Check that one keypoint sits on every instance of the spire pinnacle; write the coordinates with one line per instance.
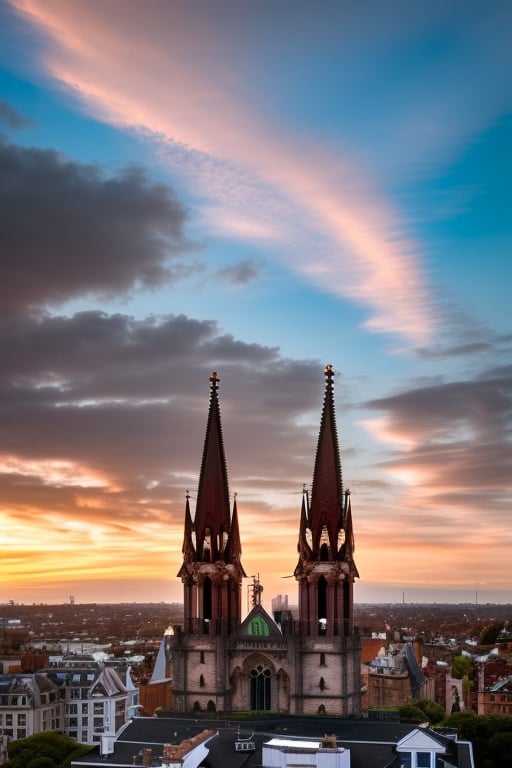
(326, 514)
(212, 519)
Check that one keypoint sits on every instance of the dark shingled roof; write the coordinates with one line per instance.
(371, 744)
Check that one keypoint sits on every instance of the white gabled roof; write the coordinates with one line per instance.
(160, 668)
(420, 739)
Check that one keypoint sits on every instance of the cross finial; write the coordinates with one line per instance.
(214, 381)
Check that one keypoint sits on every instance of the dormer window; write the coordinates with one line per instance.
(417, 759)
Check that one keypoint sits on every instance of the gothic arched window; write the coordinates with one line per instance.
(258, 626)
(260, 687)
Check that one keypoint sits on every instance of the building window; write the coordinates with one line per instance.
(423, 760)
(322, 601)
(322, 659)
(405, 760)
(258, 626)
(321, 684)
(260, 687)
(207, 600)
(201, 657)
(201, 681)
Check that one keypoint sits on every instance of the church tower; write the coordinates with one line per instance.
(306, 666)
(325, 573)
(212, 575)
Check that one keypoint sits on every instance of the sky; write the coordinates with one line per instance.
(259, 189)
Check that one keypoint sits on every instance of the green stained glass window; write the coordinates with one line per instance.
(258, 626)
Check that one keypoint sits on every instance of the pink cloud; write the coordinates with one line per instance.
(172, 76)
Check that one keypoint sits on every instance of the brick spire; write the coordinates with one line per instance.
(326, 510)
(212, 518)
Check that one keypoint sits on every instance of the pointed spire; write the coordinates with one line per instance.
(188, 548)
(326, 497)
(233, 550)
(212, 520)
(303, 547)
(349, 543)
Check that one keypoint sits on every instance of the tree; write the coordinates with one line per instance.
(44, 750)
(488, 734)
(461, 666)
(410, 713)
(500, 750)
(489, 634)
(434, 712)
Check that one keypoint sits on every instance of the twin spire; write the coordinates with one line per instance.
(325, 531)
(217, 535)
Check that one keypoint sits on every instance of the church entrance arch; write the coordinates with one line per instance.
(259, 685)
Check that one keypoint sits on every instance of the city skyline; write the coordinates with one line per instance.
(260, 190)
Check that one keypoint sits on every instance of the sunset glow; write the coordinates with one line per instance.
(223, 187)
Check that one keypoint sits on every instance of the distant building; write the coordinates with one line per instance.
(28, 704)
(497, 699)
(395, 678)
(84, 700)
(309, 665)
(96, 701)
(282, 610)
(157, 693)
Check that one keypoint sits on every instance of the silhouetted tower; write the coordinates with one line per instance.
(326, 569)
(212, 570)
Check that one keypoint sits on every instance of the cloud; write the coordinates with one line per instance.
(87, 233)
(127, 387)
(239, 274)
(12, 118)
(451, 458)
(332, 223)
(102, 420)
